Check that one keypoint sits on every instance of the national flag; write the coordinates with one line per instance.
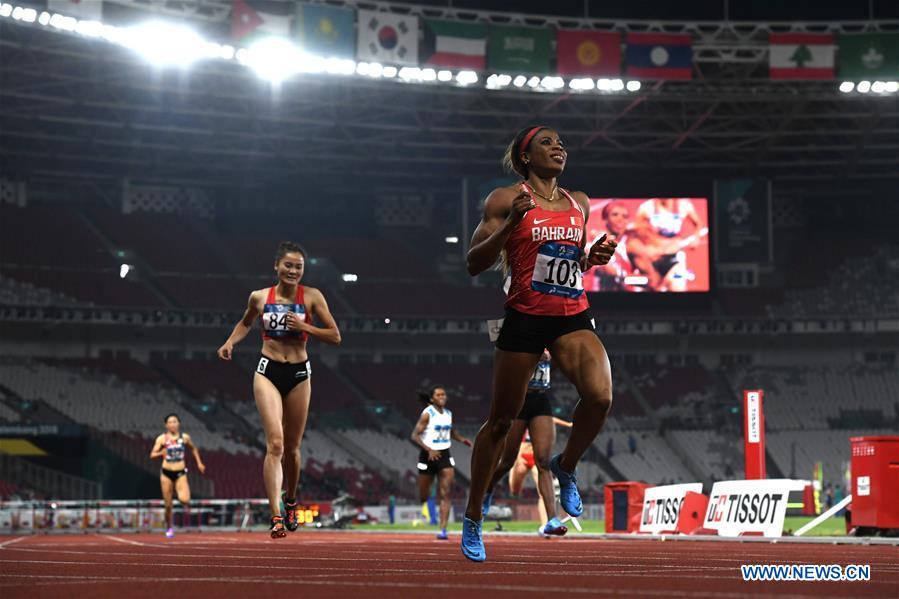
(327, 30)
(387, 38)
(659, 55)
(580, 52)
(87, 10)
(801, 56)
(249, 23)
(455, 44)
(869, 56)
(519, 49)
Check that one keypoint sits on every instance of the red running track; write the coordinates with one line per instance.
(375, 566)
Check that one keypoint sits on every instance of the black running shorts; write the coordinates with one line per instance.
(284, 375)
(530, 334)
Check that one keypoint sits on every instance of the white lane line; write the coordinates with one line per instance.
(480, 588)
(128, 541)
(12, 541)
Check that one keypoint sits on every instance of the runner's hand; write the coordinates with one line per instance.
(601, 252)
(522, 203)
(224, 352)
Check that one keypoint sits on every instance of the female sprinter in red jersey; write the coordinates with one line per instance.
(170, 446)
(282, 382)
(434, 434)
(538, 228)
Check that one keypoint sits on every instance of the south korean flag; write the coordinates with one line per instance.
(387, 38)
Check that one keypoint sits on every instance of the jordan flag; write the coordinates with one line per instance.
(801, 56)
(248, 23)
(387, 38)
(588, 53)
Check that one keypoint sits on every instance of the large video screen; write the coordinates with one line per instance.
(663, 245)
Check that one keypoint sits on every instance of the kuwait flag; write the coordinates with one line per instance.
(248, 24)
(455, 45)
(659, 56)
(580, 52)
(387, 38)
(801, 56)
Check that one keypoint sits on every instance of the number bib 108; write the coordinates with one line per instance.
(557, 270)
(274, 319)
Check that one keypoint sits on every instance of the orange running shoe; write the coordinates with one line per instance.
(291, 520)
(278, 530)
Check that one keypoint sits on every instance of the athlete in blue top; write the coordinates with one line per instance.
(434, 434)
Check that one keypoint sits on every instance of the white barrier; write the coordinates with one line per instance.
(661, 506)
(750, 506)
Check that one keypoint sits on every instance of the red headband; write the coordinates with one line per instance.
(527, 138)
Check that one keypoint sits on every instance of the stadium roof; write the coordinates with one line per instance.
(82, 109)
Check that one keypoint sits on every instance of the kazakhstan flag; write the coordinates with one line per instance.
(327, 31)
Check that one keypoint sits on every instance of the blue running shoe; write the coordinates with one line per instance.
(442, 536)
(472, 541)
(554, 528)
(485, 507)
(568, 493)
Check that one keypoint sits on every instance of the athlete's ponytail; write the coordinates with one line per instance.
(425, 395)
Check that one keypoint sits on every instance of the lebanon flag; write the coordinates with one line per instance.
(387, 38)
(581, 52)
(801, 56)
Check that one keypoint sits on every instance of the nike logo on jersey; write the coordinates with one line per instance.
(540, 221)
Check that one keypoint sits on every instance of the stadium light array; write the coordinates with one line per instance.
(277, 59)
(452, 239)
(349, 277)
(166, 44)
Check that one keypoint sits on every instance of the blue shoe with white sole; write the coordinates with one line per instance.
(554, 528)
(472, 540)
(569, 496)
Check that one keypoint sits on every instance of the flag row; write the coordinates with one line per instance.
(395, 39)
(389, 38)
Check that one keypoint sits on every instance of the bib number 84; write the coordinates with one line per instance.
(276, 322)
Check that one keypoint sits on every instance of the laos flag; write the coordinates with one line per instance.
(659, 56)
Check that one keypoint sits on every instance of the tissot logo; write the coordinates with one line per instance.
(744, 508)
(663, 511)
